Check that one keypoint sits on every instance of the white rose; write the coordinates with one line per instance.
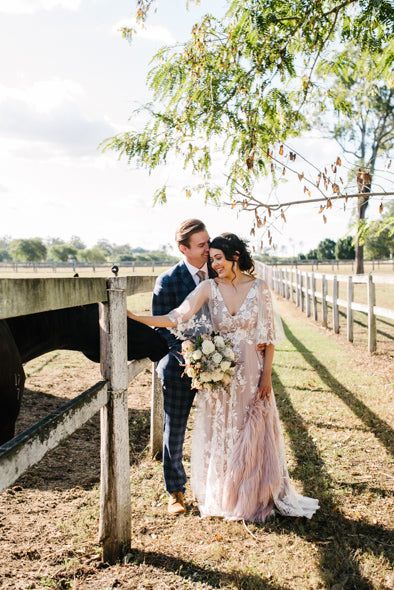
(187, 345)
(207, 347)
(190, 372)
(217, 376)
(217, 357)
(219, 341)
(225, 365)
(197, 354)
(228, 353)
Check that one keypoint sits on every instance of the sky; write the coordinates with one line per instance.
(68, 81)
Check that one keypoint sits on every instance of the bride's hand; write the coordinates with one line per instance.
(265, 386)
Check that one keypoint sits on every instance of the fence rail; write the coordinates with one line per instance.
(300, 287)
(75, 266)
(25, 296)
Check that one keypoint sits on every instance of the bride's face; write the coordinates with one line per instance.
(225, 268)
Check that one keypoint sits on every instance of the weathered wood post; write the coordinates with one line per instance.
(335, 309)
(371, 316)
(349, 314)
(115, 501)
(298, 288)
(307, 296)
(314, 299)
(156, 416)
(324, 301)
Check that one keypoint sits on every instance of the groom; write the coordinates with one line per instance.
(170, 290)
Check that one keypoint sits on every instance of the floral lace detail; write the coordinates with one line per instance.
(223, 420)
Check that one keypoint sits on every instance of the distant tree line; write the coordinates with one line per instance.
(377, 238)
(57, 250)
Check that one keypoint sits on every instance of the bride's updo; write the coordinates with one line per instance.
(235, 250)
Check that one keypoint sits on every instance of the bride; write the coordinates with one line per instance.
(238, 465)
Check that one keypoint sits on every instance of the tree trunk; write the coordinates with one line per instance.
(364, 180)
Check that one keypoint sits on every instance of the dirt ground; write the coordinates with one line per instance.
(49, 517)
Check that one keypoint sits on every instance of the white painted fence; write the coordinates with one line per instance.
(300, 287)
(24, 296)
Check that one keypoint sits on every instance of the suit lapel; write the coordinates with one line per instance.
(187, 277)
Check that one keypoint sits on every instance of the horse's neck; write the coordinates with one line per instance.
(40, 333)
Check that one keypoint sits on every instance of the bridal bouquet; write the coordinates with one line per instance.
(209, 361)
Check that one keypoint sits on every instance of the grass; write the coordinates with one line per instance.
(335, 405)
(337, 415)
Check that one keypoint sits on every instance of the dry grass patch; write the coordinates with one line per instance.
(335, 404)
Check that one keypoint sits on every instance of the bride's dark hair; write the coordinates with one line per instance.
(235, 250)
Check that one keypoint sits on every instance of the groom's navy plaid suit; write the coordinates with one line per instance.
(170, 290)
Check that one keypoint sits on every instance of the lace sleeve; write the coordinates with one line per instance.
(192, 316)
(269, 325)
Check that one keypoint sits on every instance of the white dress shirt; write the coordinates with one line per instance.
(193, 271)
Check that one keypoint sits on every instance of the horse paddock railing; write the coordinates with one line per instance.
(300, 287)
(26, 296)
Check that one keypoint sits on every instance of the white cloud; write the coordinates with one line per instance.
(44, 95)
(47, 114)
(148, 32)
(33, 6)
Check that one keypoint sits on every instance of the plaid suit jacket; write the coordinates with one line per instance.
(171, 288)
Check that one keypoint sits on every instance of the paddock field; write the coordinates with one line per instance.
(335, 405)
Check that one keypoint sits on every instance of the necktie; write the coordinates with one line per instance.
(201, 275)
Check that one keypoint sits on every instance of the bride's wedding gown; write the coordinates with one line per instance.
(238, 465)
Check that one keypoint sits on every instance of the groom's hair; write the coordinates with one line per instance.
(186, 230)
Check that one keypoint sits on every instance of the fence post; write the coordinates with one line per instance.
(115, 501)
(297, 288)
(314, 301)
(307, 296)
(324, 301)
(335, 311)
(349, 318)
(156, 416)
(371, 315)
(302, 298)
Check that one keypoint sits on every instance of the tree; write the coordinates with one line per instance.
(235, 88)
(62, 252)
(31, 250)
(325, 249)
(344, 249)
(312, 254)
(379, 237)
(4, 255)
(363, 104)
(77, 243)
(92, 255)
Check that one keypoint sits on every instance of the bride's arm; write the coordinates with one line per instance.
(193, 302)
(265, 384)
(158, 321)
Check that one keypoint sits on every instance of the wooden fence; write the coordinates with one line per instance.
(25, 296)
(75, 266)
(300, 287)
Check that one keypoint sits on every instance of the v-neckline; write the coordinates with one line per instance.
(243, 301)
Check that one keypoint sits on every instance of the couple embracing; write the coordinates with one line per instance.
(238, 465)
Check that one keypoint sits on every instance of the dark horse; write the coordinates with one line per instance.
(77, 328)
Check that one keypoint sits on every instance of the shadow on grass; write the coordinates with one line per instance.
(379, 427)
(199, 574)
(340, 539)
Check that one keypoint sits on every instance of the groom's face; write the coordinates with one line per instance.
(198, 250)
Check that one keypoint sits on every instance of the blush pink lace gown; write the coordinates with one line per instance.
(238, 465)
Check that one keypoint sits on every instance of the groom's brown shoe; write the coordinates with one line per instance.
(176, 505)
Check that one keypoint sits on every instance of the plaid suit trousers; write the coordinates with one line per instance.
(178, 401)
